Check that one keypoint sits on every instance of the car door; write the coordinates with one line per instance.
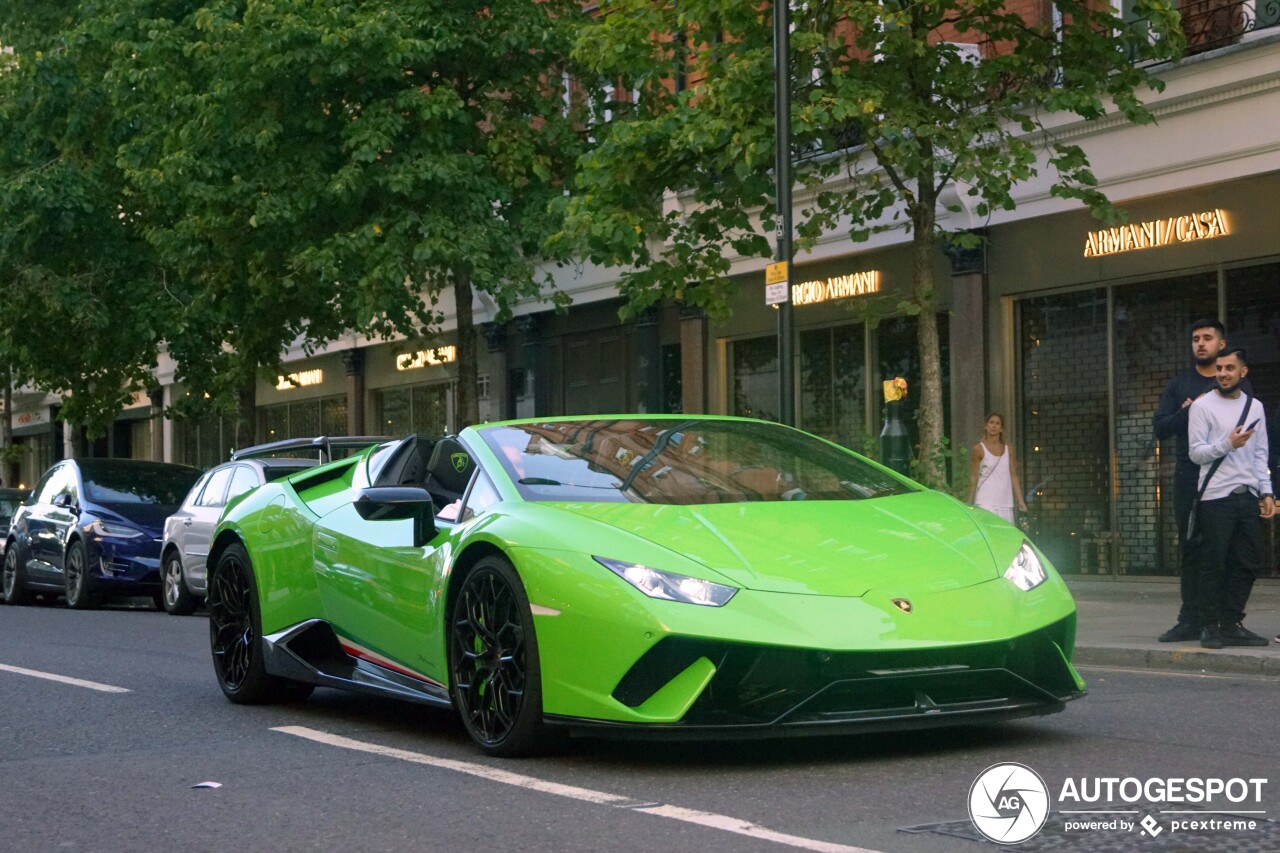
(48, 523)
(197, 527)
(377, 585)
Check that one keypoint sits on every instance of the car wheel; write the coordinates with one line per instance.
(174, 597)
(235, 636)
(75, 569)
(494, 672)
(12, 582)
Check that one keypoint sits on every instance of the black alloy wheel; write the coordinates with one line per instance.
(12, 587)
(79, 584)
(174, 596)
(493, 661)
(235, 636)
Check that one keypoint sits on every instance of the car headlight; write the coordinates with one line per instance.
(669, 586)
(1026, 572)
(115, 531)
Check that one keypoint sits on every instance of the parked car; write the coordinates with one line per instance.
(9, 501)
(91, 529)
(188, 532)
(658, 576)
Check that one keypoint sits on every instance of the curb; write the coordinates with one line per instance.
(1185, 659)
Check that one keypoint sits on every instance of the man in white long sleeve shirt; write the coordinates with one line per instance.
(1236, 499)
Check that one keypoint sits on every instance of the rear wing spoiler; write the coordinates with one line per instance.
(321, 446)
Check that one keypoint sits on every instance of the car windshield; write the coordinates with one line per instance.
(671, 461)
(125, 482)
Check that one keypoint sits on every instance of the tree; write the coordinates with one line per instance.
(79, 314)
(311, 168)
(883, 86)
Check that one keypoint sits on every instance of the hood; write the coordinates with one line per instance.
(146, 517)
(914, 543)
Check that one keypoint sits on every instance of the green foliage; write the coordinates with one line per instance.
(887, 116)
(80, 314)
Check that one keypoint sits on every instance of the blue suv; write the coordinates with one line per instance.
(92, 528)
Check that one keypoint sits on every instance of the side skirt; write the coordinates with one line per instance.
(312, 653)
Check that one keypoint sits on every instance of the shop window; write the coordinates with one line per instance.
(753, 366)
(1065, 445)
(897, 354)
(203, 442)
(35, 460)
(303, 419)
(832, 385)
(421, 409)
(1151, 344)
(1253, 322)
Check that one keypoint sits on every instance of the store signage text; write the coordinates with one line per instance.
(31, 418)
(422, 358)
(1154, 233)
(299, 380)
(836, 287)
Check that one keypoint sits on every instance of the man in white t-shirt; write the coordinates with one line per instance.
(1235, 500)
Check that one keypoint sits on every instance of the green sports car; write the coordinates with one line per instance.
(660, 576)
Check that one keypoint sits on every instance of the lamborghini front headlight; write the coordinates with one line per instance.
(669, 586)
(1026, 572)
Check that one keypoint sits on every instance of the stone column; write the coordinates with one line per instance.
(970, 397)
(353, 363)
(495, 338)
(693, 360)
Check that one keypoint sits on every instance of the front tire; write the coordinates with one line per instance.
(79, 584)
(12, 580)
(235, 636)
(174, 596)
(494, 671)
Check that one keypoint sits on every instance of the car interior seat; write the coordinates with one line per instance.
(448, 471)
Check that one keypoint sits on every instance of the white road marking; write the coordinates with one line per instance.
(62, 679)
(493, 774)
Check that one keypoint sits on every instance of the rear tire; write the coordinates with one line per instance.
(235, 636)
(12, 578)
(174, 596)
(79, 582)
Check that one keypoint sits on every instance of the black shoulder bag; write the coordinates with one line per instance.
(1194, 535)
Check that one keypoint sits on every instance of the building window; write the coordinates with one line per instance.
(203, 442)
(422, 409)
(832, 384)
(753, 367)
(303, 419)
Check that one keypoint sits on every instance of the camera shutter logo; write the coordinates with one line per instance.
(1008, 803)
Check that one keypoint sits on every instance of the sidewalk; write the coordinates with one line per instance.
(1119, 620)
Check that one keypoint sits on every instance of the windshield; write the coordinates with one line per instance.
(672, 461)
(128, 482)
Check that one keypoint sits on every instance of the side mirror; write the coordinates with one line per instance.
(65, 501)
(388, 503)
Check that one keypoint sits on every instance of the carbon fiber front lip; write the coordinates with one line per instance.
(885, 722)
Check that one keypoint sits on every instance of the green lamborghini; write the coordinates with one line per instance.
(640, 575)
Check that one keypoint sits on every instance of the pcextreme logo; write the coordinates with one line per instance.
(1008, 803)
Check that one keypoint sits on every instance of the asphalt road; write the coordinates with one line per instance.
(82, 768)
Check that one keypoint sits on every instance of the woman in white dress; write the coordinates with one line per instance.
(993, 474)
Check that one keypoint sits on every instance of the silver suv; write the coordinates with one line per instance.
(187, 532)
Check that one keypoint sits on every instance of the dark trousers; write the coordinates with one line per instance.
(1185, 489)
(1231, 556)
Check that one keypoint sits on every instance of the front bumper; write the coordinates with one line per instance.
(737, 690)
(125, 565)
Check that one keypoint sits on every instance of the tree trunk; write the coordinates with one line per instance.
(246, 411)
(11, 468)
(932, 452)
(468, 368)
